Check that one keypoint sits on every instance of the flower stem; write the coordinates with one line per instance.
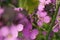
(38, 27)
(53, 21)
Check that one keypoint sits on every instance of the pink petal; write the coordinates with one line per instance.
(5, 31)
(55, 30)
(14, 31)
(47, 19)
(48, 1)
(44, 33)
(42, 1)
(1, 11)
(34, 33)
(19, 27)
(41, 7)
(16, 9)
(0, 33)
(41, 14)
(12, 38)
(40, 23)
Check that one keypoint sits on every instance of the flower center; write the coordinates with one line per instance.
(9, 36)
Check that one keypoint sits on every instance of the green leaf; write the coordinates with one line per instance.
(46, 26)
(40, 36)
(29, 5)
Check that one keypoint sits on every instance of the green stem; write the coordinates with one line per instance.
(53, 21)
(38, 27)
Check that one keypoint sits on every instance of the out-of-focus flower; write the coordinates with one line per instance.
(42, 1)
(45, 1)
(29, 34)
(4, 31)
(34, 33)
(53, 1)
(41, 7)
(1, 10)
(47, 19)
(1, 37)
(48, 1)
(56, 28)
(24, 21)
(20, 27)
(13, 34)
(41, 14)
(20, 24)
(15, 31)
(44, 33)
(43, 18)
(18, 9)
(26, 34)
(40, 23)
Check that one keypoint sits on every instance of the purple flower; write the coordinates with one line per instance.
(4, 31)
(29, 34)
(24, 21)
(56, 28)
(41, 14)
(34, 34)
(42, 1)
(45, 1)
(47, 19)
(40, 23)
(20, 24)
(1, 10)
(48, 1)
(53, 1)
(18, 9)
(44, 33)
(26, 34)
(20, 27)
(41, 7)
(13, 33)
(43, 18)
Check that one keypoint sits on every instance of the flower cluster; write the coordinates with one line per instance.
(29, 20)
(42, 14)
(20, 28)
